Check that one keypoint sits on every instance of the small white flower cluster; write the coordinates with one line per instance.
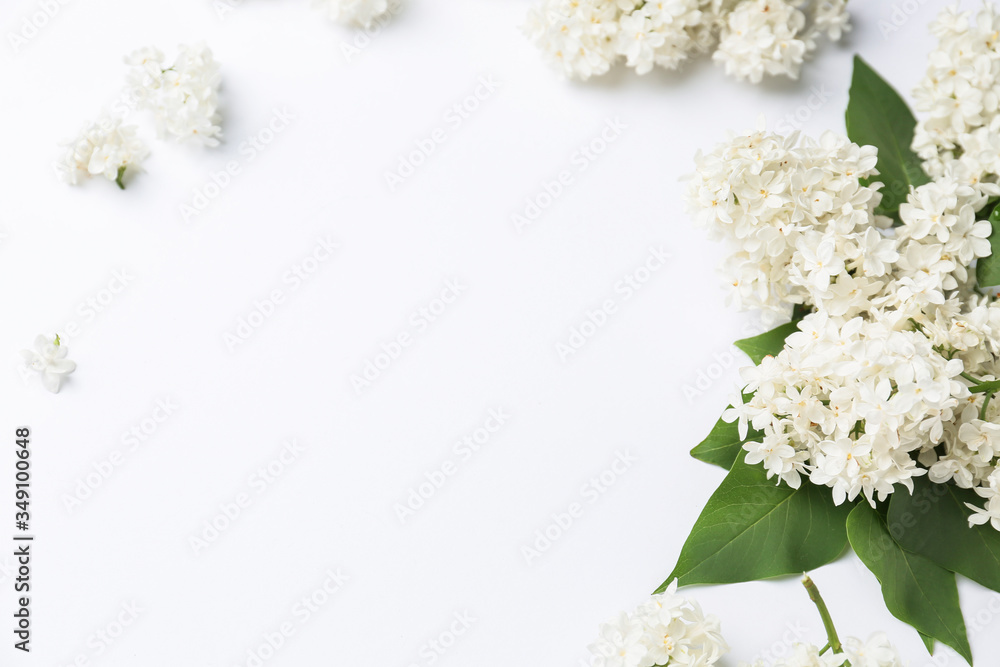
(800, 219)
(361, 13)
(669, 630)
(665, 630)
(876, 652)
(49, 360)
(183, 97)
(753, 38)
(874, 388)
(105, 147)
(961, 95)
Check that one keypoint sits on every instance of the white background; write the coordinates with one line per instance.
(163, 337)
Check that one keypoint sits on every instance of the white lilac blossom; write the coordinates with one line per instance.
(667, 629)
(182, 95)
(798, 218)
(960, 94)
(763, 37)
(874, 388)
(751, 38)
(362, 13)
(875, 652)
(49, 360)
(105, 147)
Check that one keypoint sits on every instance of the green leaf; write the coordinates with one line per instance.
(754, 529)
(933, 522)
(878, 116)
(916, 590)
(723, 445)
(769, 343)
(929, 642)
(988, 268)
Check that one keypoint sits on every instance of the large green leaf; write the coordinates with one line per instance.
(769, 343)
(878, 116)
(988, 268)
(933, 522)
(754, 529)
(916, 590)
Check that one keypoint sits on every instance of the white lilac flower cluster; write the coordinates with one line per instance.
(874, 388)
(183, 97)
(48, 359)
(667, 629)
(961, 97)
(361, 13)
(752, 38)
(802, 221)
(876, 652)
(105, 147)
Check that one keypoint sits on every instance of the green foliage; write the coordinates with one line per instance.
(769, 343)
(916, 590)
(723, 445)
(878, 116)
(753, 529)
(933, 522)
(988, 268)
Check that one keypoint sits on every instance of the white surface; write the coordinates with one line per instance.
(495, 346)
